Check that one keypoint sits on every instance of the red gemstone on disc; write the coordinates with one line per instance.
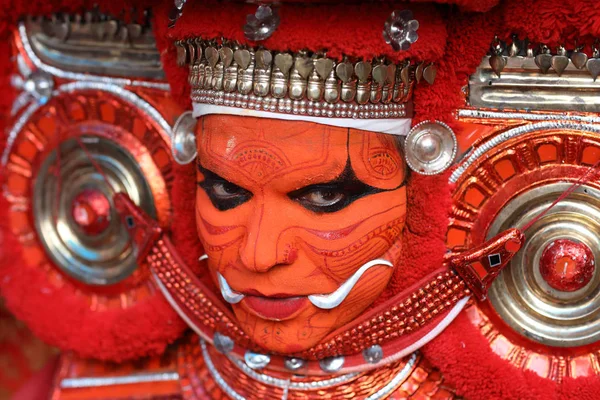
(567, 265)
(91, 211)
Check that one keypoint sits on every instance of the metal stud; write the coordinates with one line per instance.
(593, 64)
(373, 354)
(332, 364)
(176, 12)
(294, 364)
(430, 147)
(183, 139)
(256, 360)
(222, 343)
(560, 61)
(38, 85)
(429, 73)
(579, 58)
(497, 60)
(262, 24)
(544, 59)
(400, 30)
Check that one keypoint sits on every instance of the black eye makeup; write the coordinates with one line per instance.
(326, 197)
(223, 194)
(335, 195)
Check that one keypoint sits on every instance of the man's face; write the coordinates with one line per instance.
(287, 210)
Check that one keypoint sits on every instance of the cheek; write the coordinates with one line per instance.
(375, 233)
(366, 291)
(220, 233)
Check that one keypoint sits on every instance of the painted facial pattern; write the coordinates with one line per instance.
(301, 223)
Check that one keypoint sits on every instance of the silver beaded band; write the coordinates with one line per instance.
(302, 107)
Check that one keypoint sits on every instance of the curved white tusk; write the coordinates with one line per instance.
(332, 300)
(203, 257)
(230, 296)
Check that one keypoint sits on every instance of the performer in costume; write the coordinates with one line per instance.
(295, 215)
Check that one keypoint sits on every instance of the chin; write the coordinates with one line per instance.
(271, 337)
(283, 337)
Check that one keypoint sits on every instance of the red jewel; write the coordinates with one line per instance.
(91, 211)
(567, 265)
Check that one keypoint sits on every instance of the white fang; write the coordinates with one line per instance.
(230, 296)
(334, 299)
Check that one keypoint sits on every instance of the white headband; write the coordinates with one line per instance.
(392, 126)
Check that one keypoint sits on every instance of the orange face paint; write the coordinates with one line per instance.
(286, 210)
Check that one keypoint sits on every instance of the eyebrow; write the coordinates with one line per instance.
(348, 178)
(211, 175)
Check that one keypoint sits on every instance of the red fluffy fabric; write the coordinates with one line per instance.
(554, 22)
(470, 5)
(466, 361)
(62, 316)
(318, 27)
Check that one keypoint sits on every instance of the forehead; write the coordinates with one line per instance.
(224, 134)
(262, 149)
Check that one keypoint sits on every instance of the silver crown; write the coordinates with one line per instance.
(299, 83)
(522, 75)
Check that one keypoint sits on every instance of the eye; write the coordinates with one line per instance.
(325, 198)
(223, 194)
(322, 197)
(226, 190)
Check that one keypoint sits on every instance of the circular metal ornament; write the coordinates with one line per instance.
(256, 360)
(96, 258)
(122, 134)
(40, 85)
(262, 24)
(183, 145)
(522, 296)
(400, 30)
(430, 147)
(332, 364)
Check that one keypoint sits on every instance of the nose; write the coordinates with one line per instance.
(263, 247)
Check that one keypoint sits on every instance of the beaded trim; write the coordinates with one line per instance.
(288, 385)
(299, 83)
(302, 107)
(283, 383)
(514, 132)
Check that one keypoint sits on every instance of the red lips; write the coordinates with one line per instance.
(275, 309)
